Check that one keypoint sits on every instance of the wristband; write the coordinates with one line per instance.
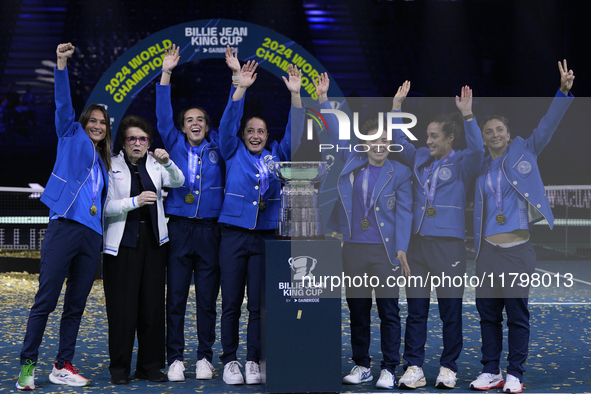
(235, 80)
(167, 71)
(469, 117)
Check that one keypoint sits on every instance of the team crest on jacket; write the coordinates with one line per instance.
(444, 174)
(524, 167)
(213, 157)
(391, 203)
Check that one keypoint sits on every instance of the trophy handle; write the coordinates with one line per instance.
(270, 166)
(330, 157)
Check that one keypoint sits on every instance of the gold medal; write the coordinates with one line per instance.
(93, 210)
(501, 219)
(262, 205)
(365, 224)
(431, 212)
(189, 198)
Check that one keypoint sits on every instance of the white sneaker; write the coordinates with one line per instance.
(446, 379)
(67, 375)
(512, 385)
(487, 381)
(412, 378)
(204, 369)
(358, 375)
(175, 371)
(252, 372)
(386, 380)
(232, 374)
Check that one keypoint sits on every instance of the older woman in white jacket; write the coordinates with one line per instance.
(134, 257)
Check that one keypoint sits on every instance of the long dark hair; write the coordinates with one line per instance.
(104, 147)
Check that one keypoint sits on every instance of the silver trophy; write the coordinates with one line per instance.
(299, 216)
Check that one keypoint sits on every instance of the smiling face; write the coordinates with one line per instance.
(136, 150)
(96, 127)
(195, 126)
(496, 136)
(378, 149)
(255, 135)
(439, 145)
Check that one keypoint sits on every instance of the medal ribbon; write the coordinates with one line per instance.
(95, 179)
(430, 191)
(499, 192)
(364, 189)
(263, 172)
(193, 161)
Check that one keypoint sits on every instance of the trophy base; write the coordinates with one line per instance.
(299, 230)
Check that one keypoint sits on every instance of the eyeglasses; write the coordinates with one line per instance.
(132, 140)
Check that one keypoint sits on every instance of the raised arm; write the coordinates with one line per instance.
(567, 77)
(243, 77)
(322, 83)
(229, 126)
(547, 126)
(475, 152)
(297, 115)
(166, 127)
(294, 84)
(64, 111)
(408, 149)
(170, 61)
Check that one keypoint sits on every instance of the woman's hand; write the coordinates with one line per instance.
(247, 74)
(464, 103)
(171, 58)
(401, 256)
(294, 83)
(567, 77)
(146, 198)
(322, 85)
(232, 61)
(400, 96)
(64, 51)
(161, 156)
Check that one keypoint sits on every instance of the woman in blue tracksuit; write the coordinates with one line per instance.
(193, 230)
(250, 212)
(441, 177)
(510, 197)
(373, 212)
(75, 195)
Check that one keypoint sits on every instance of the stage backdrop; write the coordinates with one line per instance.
(202, 39)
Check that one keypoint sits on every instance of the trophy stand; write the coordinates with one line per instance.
(300, 321)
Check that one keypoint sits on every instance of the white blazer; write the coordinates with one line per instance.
(119, 202)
